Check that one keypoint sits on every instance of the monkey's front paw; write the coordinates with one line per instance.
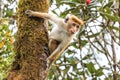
(29, 13)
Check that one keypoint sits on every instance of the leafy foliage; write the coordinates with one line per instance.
(6, 47)
(93, 56)
(82, 60)
(6, 39)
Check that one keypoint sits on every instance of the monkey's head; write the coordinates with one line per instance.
(73, 24)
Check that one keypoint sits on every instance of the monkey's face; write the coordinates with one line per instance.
(72, 27)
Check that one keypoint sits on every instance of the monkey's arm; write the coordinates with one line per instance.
(45, 16)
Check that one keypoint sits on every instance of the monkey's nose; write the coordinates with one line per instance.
(73, 31)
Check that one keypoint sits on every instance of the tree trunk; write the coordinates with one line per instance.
(0, 11)
(31, 43)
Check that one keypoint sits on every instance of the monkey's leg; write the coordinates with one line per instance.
(57, 52)
(53, 44)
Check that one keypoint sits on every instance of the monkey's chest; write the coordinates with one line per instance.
(60, 35)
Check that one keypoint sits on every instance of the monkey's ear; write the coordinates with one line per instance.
(66, 19)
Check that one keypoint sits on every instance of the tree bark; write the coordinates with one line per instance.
(31, 43)
(0, 11)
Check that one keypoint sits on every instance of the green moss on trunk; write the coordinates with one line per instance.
(30, 43)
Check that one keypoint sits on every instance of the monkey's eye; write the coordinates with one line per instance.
(77, 26)
(73, 24)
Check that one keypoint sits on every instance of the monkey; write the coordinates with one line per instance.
(61, 35)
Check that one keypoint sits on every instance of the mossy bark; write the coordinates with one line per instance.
(0, 12)
(31, 42)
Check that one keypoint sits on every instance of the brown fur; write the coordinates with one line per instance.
(53, 44)
(76, 19)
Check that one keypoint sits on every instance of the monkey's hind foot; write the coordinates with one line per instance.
(49, 62)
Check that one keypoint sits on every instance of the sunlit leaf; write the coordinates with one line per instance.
(5, 21)
(2, 44)
(11, 40)
(8, 34)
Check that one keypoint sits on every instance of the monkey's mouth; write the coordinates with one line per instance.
(72, 31)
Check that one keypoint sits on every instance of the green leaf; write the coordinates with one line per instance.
(87, 56)
(83, 42)
(103, 16)
(74, 44)
(112, 17)
(108, 10)
(115, 28)
(93, 35)
(73, 74)
(91, 67)
(76, 78)
(9, 13)
(109, 4)
(72, 60)
(69, 51)
(99, 72)
(66, 69)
